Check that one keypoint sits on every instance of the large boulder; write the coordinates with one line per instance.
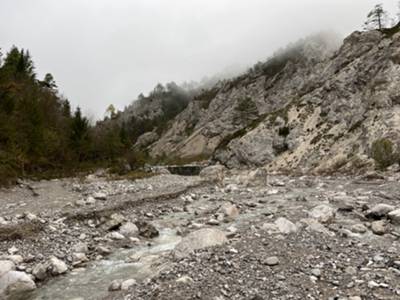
(323, 213)
(147, 230)
(129, 229)
(394, 216)
(57, 266)
(15, 285)
(379, 211)
(40, 271)
(6, 266)
(285, 226)
(200, 239)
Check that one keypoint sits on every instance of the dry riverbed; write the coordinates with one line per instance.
(271, 237)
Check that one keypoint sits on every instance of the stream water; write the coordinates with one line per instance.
(92, 282)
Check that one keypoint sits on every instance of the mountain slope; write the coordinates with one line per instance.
(308, 109)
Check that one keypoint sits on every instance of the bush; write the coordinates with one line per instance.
(284, 131)
(137, 159)
(383, 153)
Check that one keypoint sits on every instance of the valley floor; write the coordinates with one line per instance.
(287, 237)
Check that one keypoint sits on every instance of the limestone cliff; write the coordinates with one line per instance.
(309, 108)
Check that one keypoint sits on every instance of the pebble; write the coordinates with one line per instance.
(271, 261)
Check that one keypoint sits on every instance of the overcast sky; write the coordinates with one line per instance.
(108, 51)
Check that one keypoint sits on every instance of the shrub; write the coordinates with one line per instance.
(284, 131)
(383, 153)
(136, 159)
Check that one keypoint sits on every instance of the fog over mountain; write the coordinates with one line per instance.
(104, 51)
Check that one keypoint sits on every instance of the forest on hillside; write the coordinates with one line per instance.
(41, 135)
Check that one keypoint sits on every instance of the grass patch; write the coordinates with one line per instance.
(383, 153)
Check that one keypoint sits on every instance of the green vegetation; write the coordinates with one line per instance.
(39, 135)
(382, 151)
(284, 131)
(389, 32)
(279, 60)
(206, 97)
(377, 18)
(173, 99)
(246, 110)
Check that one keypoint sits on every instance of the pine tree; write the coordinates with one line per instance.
(376, 18)
(80, 134)
(247, 110)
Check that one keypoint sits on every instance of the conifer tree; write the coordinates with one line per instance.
(376, 18)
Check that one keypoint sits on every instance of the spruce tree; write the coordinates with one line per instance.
(376, 18)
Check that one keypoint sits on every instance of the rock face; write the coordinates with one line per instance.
(200, 239)
(319, 111)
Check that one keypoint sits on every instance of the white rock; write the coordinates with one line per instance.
(358, 228)
(90, 200)
(129, 230)
(125, 285)
(57, 266)
(323, 213)
(78, 258)
(230, 212)
(17, 259)
(114, 235)
(103, 250)
(184, 280)
(199, 239)
(394, 216)
(13, 250)
(285, 226)
(271, 261)
(379, 211)
(31, 217)
(15, 284)
(80, 248)
(115, 285)
(6, 266)
(270, 228)
(100, 196)
(314, 225)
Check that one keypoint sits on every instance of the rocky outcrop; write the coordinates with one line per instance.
(308, 109)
